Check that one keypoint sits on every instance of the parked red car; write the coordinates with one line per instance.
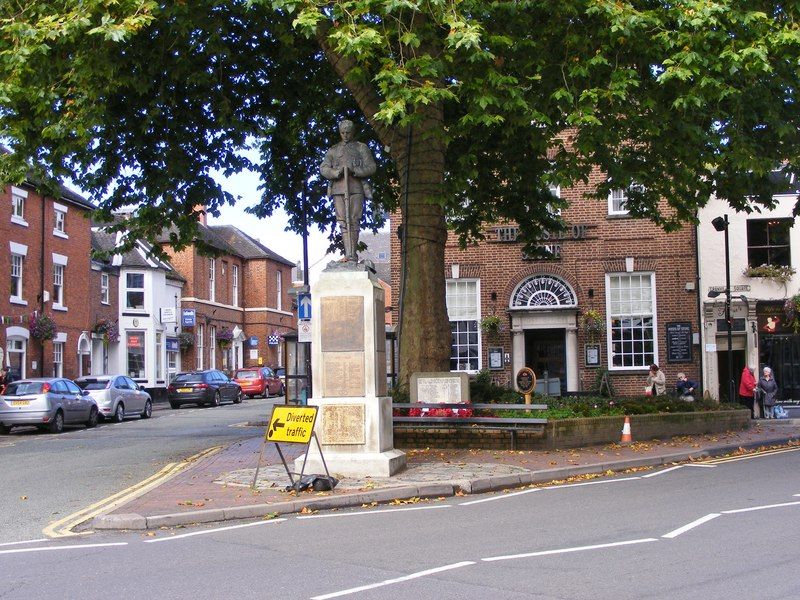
(259, 381)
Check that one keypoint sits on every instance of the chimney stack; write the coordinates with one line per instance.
(200, 211)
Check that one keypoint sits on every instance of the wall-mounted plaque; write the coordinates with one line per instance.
(679, 342)
(592, 355)
(496, 359)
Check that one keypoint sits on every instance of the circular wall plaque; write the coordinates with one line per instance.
(526, 380)
(136, 322)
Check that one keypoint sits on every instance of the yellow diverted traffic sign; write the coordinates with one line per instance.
(292, 424)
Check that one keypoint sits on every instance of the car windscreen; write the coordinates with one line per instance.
(188, 377)
(92, 385)
(23, 388)
(246, 375)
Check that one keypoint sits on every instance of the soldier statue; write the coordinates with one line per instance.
(346, 166)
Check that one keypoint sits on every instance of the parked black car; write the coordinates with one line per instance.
(203, 387)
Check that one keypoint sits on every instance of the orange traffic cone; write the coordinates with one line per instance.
(626, 432)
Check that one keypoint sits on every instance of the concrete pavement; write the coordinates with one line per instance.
(218, 487)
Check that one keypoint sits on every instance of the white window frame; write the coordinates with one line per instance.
(18, 251)
(199, 346)
(135, 289)
(17, 345)
(159, 356)
(235, 285)
(105, 289)
(466, 321)
(212, 279)
(18, 201)
(616, 201)
(212, 343)
(58, 287)
(612, 313)
(128, 335)
(556, 191)
(58, 359)
(60, 220)
(279, 290)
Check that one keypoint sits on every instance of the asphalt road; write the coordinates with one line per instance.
(44, 477)
(724, 531)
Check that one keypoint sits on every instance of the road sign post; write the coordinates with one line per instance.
(304, 306)
(292, 425)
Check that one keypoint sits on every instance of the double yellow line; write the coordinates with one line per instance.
(749, 455)
(64, 527)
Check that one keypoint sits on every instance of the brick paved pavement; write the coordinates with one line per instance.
(223, 479)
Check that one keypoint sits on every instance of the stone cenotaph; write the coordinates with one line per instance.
(348, 365)
(348, 336)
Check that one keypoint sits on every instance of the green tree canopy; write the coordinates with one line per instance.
(478, 105)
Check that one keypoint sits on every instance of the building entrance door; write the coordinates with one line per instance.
(737, 359)
(546, 354)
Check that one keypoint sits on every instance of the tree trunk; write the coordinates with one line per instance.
(424, 331)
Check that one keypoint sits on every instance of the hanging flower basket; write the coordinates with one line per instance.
(108, 329)
(491, 324)
(593, 323)
(42, 326)
(224, 337)
(792, 309)
(185, 340)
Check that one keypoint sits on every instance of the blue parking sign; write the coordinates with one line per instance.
(304, 306)
(187, 317)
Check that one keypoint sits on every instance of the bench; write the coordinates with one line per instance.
(510, 424)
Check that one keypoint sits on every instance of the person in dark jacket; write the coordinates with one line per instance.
(768, 391)
(685, 387)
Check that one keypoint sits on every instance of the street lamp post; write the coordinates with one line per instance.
(721, 224)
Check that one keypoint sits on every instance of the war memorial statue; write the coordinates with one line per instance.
(346, 166)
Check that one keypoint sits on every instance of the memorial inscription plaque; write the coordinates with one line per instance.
(344, 374)
(343, 424)
(342, 324)
(446, 390)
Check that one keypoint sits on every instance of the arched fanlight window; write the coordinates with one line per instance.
(543, 291)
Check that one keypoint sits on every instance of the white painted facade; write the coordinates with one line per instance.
(746, 292)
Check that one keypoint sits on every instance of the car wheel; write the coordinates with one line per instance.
(57, 424)
(265, 392)
(239, 397)
(282, 391)
(119, 414)
(4, 429)
(92, 422)
(174, 405)
(217, 399)
(148, 409)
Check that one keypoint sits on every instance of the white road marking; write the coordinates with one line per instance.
(703, 465)
(661, 472)
(205, 531)
(501, 497)
(752, 508)
(569, 485)
(373, 512)
(25, 542)
(71, 547)
(567, 550)
(386, 582)
(696, 523)
(757, 454)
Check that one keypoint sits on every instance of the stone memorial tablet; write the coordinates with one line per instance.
(344, 374)
(343, 424)
(342, 322)
(439, 388)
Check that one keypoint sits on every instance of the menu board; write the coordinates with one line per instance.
(679, 342)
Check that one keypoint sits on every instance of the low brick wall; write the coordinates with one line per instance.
(572, 433)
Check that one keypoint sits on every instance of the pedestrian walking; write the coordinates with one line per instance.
(747, 391)
(656, 381)
(768, 392)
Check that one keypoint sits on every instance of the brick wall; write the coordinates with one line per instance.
(583, 264)
(38, 272)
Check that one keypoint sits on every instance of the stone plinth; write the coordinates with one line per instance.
(348, 364)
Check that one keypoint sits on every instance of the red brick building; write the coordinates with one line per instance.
(639, 281)
(243, 291)
(47, 258)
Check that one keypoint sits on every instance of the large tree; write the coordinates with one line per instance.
(478, 105)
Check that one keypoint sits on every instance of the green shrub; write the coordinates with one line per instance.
(482, 390)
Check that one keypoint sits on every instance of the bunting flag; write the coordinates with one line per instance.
(273, 339)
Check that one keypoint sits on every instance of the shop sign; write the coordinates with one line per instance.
(173, 345)
(679, 342)
(771, 318)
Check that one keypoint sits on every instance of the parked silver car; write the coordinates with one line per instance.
(47, 403)
(117, 396)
